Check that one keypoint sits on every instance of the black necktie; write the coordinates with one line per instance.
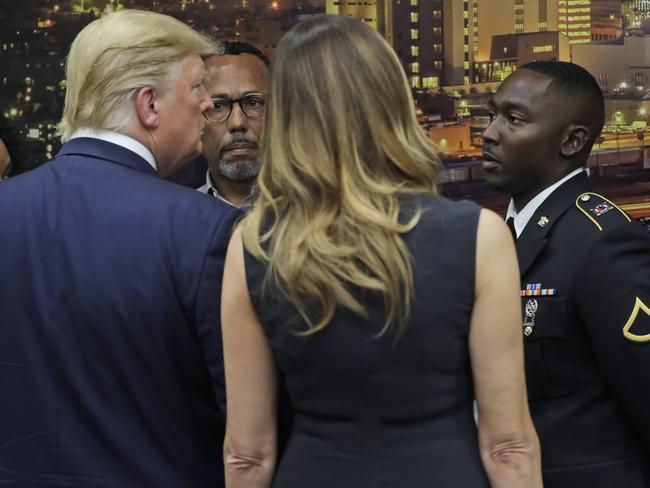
(511, 225)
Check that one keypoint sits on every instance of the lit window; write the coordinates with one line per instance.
(430, 82)
(543, 49)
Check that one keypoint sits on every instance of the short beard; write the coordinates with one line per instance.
(239, 171)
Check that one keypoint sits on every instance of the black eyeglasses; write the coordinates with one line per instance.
(252, 105)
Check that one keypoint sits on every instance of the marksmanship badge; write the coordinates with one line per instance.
(529, 316)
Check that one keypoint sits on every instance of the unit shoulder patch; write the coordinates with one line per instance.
(599, 210)
(640, 320)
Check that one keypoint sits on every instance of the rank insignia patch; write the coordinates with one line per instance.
(601, 208)
(640, 314)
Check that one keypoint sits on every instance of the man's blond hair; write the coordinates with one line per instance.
(114, 56)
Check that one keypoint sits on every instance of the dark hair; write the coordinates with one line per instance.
(23, 156)
(235, 48)
(576, 82)
(9, 136)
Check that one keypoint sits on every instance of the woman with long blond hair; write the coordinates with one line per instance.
(386, 307)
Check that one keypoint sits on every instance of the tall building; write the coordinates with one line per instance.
(427, 34)
(574, 20)
(635, 11)
(424, 33)
(627, 65)
(498, 17)
(376, 13)
(437, 39)
(460, 21)
(512, 50)
(418, 37)
(606, 19)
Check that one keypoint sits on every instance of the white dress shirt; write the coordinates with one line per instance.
(522, 218)
(119, 140)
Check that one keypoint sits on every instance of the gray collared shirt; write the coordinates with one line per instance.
(209, 189)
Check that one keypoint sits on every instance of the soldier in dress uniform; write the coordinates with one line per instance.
(585, 280)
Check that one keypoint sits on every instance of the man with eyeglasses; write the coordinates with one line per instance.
(237, 82)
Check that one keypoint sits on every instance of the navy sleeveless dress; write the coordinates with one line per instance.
(391, 411)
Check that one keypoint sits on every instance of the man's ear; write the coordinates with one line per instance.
(146, 106)
(575, 138)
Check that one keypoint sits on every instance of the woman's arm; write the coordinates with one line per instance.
(507, 439)
(250, 444)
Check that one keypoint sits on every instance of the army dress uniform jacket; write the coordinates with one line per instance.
(585, 281)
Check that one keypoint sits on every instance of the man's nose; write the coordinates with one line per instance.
(490, 134)
(238, 120)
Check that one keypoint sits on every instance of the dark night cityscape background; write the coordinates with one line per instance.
(454, 52)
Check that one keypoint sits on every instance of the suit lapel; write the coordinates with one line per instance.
(534, 238)
(97, 148)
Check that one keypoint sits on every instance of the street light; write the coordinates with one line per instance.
(599, 140)
(618, 117)
(640, 135)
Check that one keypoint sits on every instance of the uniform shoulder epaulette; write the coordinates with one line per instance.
(599, 210)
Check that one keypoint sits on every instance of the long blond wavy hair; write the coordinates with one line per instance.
(340, 143)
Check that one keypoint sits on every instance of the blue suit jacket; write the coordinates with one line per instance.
(110, 344)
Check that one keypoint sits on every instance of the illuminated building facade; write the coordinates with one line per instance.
(627, 66)
(512, 50)
(418, 38)
(497, 17)
(376, 13)
(460, 21)
(635, 11)
(606, 19)
(574, 19)
(425, 34)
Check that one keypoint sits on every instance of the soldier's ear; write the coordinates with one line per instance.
(574, 139)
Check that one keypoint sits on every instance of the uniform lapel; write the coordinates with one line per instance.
(534, 238)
